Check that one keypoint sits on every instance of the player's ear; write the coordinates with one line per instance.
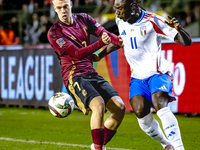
(71, 3)
(53, 5)
(55, 8)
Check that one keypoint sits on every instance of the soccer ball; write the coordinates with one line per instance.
(61, 105)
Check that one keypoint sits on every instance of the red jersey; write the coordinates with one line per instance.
(69, 43)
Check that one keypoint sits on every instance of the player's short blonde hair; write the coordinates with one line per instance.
(55, 0)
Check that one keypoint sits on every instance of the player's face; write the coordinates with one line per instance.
(119, 8)
(63, 9)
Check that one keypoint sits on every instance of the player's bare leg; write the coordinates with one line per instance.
(169, 147)
(117, 109)
(97, 121)
(169, 121)
(141, 106)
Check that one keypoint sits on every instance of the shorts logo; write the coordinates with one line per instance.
(163, 88)
(84, 92)
(60, 42)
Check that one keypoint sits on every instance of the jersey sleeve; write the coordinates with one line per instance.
(64, 46)
(93, 24)
(98, 30)
(162, 28)
(58, 43)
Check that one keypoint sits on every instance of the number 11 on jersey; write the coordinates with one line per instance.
(133, 43)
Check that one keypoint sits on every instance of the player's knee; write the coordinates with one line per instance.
(97, 105)
(121, 106)
(99, 108)
(138, 111)
(122, 110)
(116, 106)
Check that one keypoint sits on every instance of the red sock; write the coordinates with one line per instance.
(98, 137)
(108, 134)
(98, 147)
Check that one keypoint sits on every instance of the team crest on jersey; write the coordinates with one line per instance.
(143, 30)
(60, 42)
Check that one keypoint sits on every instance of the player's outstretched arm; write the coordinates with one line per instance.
(182, 37)
(114, 38)
(105, 38)
(68, 47)
(109, 48)
(82, 52)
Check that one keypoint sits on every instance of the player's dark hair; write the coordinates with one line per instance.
(132, 5)
(133, 10)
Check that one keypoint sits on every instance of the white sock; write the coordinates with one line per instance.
(171, 128)
(151, 127)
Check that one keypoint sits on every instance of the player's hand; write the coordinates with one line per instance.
(95, 57)
(173, 23)
(105, 38)
(120, 41)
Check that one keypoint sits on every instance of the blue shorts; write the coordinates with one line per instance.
(148, 86)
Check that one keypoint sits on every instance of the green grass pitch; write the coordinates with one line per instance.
(37, 129)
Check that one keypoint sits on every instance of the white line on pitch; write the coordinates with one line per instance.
(66, 144)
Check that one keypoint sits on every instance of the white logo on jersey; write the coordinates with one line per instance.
(97, 24)
(163, 88)
(123, 32)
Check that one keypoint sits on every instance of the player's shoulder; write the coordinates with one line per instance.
(81, 15)
(54, 30)
(84, 18)
(152, 16)
(118, 20)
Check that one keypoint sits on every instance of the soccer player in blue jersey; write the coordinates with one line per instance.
(151, 75)
(69, 38)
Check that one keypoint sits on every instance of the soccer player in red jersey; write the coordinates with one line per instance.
(69, 38)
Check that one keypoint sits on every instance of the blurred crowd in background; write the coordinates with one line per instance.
(27, 21)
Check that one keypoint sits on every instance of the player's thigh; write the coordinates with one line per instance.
(141, 105)
(82, 92)
(105, 89)
(160, 100)
(115, 105)
(97, 105)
